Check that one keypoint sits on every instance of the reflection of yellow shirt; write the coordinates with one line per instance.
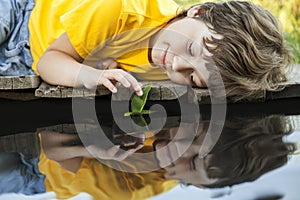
(102, 182)
(119, 28)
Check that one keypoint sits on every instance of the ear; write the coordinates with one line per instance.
(195, 11)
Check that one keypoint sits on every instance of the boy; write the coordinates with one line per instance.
(156, 40)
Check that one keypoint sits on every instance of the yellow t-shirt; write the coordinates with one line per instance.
(120, 29)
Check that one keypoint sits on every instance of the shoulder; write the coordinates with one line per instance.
(150, 8)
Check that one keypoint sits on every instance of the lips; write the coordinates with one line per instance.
(163, 58)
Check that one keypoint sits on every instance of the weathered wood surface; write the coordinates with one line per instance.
(19, 82)
(11, 88)
(20, 143)
(161, 90)
(49, 91)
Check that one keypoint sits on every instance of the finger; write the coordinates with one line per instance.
(139, 147)
(124, 155)
(134, 84)
(120, 76)
(124, 78)
(112, 151)
(141, 136)
(108, 84)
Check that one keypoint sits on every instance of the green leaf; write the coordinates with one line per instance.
(138, 102)
(143, 112)
(128, 114)
(146, 112)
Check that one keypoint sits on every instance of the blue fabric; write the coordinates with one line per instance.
(15, 56)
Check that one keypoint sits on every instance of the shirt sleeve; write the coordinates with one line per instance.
(91, 24)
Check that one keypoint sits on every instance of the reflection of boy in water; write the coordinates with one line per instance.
(246, 149)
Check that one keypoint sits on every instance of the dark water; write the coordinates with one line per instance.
(185, 154)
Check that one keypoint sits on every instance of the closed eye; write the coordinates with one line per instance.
(190, 49)
(193, 163)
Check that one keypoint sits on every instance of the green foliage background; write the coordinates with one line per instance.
(287, 11)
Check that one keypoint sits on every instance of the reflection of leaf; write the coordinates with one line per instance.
(140, 121)
(138, 102)
(143, 112)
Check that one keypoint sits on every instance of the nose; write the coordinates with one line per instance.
(180, 64)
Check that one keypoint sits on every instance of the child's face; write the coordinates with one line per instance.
(179, 50)
(180, 158)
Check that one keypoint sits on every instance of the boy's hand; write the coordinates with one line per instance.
(91, 78)
(108, 63)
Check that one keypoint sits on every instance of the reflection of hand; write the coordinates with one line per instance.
(124, 146)
(113, 153)
(129, 141)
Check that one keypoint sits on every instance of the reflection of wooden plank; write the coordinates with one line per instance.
(8, 144)
(19, 82)
(295, 120)
(121, 124)
(22, 143)
(22, 95)
(25, 143)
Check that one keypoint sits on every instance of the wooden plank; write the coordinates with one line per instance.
(6, 83)
(26, 82)
(50, 91)
(19, 82)
(161, 90)
(170, 91)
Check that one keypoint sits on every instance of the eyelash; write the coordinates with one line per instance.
(193, 164)
(190, 49)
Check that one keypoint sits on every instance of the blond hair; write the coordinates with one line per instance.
(252, 56)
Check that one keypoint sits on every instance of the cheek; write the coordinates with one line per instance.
(177, 77)
(155, 55)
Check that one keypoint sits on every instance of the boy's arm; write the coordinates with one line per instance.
(62, 65)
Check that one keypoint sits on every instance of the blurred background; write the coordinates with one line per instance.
(288, 13)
